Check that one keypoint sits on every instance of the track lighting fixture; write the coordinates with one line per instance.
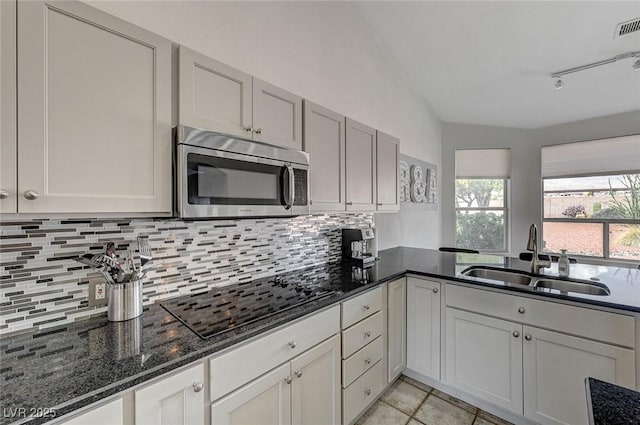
(558, 75)
(559, 84)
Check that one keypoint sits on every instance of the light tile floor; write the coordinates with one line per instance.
(409, 402)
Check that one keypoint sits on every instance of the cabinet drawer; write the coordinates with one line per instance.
(362, 392)
(361, 334)
(594, 324)
(361, 361)
(361, 306)
(237, 367)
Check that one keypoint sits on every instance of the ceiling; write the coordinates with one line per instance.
(489, 62)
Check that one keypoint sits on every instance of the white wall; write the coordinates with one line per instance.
(322, 51)
(525, 145)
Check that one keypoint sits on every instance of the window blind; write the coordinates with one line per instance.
(618, 155)
(486, 163)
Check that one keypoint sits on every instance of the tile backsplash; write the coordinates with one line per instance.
(42, 286)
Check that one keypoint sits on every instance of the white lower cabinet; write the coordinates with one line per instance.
(530, 371)
(305, 390)
(175, 400)
(423, 327)
(555, 368)
(396, 328)
(110, 413)
(484, 358)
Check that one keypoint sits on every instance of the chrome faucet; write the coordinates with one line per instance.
(532, 245)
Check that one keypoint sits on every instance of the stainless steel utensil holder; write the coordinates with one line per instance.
(125, 300)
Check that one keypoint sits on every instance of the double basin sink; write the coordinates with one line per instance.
(540, 283)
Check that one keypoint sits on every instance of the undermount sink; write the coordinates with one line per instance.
(500, 275)
(539, 283)
(572, 286)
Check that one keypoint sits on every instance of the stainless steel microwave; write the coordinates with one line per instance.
(218, 176)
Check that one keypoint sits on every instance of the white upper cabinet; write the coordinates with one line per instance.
(324, 141)
(217, 97)
(388, 178)
(277, 115)
(94, 112)
(361, 166)
(8, 130)
(213, 96)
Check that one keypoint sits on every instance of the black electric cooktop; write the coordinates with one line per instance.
(223, 309)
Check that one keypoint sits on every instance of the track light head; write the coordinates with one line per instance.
(559, 84)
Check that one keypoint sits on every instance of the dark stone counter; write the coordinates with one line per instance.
(61, 369)
(611, 404)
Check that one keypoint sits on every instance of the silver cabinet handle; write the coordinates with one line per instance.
(248, 129)
(258, 131)
(367, 392)
(435, 290)
(349, 203)
(292, 344)
(366, 307)
(4, 194)
(516, 334)
(31, 195)
(298, 373)
(521, 310)
(379, 205)
(367, 334)
(198, 386)
(528, 337)
(367, 361)
(287, 380)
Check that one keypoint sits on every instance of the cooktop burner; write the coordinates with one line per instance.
(223, 309)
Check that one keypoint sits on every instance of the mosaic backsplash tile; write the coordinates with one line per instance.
(42, 286)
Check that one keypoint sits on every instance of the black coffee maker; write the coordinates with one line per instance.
(358, 246)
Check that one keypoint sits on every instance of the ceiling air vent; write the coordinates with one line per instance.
(625, 28)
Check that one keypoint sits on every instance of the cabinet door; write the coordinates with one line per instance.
(360, 166)
(423, 327)
(388, 178)
(108, 414)
(277, 115)
(213, 96)
(175, 400)
(94, 112)
(484, 358)
(396, 327)
(555, 368)
(315, 391)
(267, 400)
(8, 105)
(324, 141)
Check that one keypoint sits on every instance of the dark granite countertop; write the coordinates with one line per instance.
(611, 404)
(71, 366)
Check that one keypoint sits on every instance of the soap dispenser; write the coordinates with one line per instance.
(563, 263)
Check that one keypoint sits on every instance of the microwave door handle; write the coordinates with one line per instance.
(292, 181)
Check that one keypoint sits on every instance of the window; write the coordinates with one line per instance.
(481, 196)
(591, 198)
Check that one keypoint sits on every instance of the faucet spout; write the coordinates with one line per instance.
(532, 245)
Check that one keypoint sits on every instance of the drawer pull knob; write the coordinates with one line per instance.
(4, 194)
(435, 290)
(248, 129)
(528, 337)
(367, 334)
(521, 310)
(367, 392)
(31, 195)
(516, 334)
(292, 344)
(366, 307)
(298, 373)
(258, 131)
(367, 361)
(198, 386)
(287, 380)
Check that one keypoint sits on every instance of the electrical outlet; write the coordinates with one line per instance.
(97, 294)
